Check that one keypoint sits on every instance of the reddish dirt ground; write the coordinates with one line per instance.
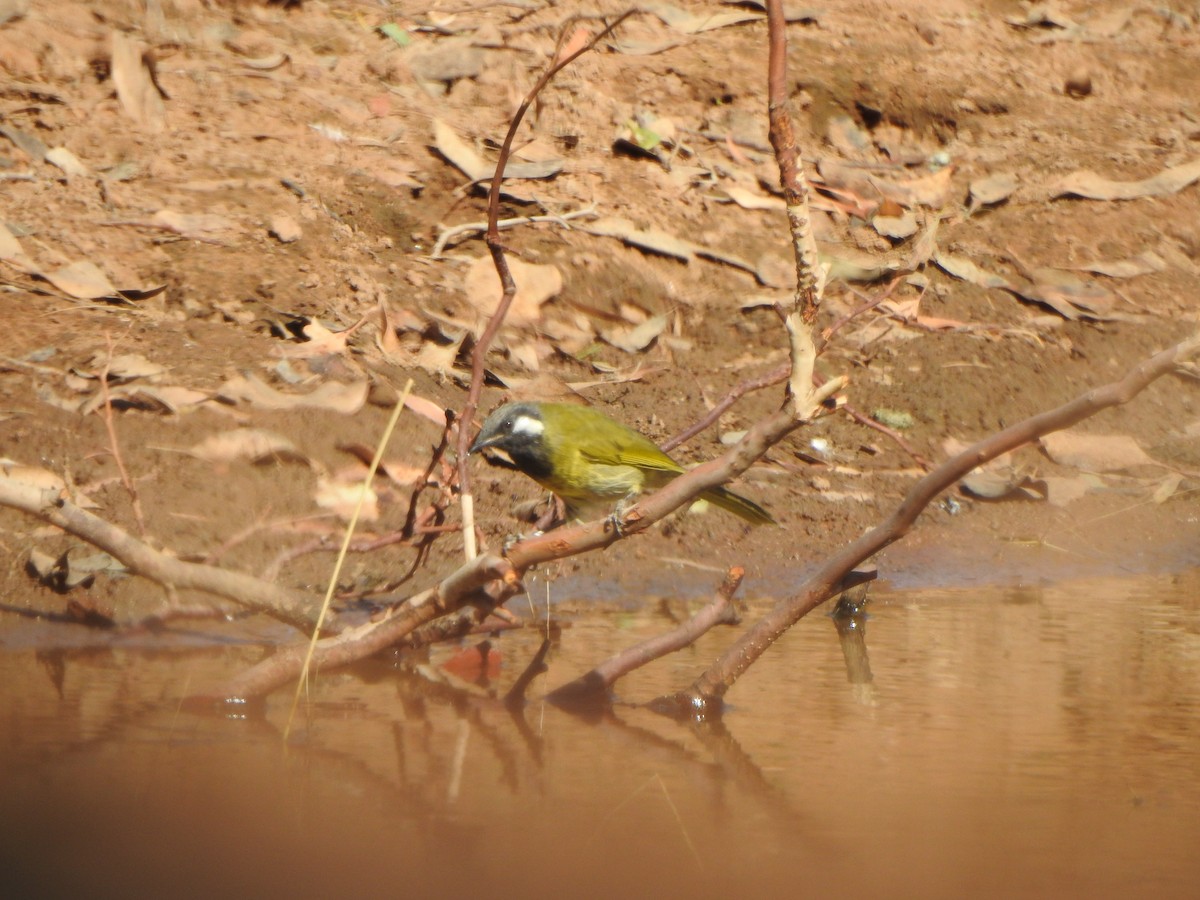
(286, 184)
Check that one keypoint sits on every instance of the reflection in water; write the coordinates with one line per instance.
(850, 619)
(1044, 742)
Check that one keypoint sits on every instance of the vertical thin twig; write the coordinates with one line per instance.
(110, 426)
(479, 354)
(810, 276)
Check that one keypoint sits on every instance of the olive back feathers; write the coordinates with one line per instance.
(588, 458)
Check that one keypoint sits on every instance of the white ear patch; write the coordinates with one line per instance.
(528, 425)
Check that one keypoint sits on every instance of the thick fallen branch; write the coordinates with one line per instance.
(704, 695)
(293, 607)
(464, 587)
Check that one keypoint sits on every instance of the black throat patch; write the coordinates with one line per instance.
(532, 459)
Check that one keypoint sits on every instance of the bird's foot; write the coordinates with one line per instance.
(511, 540)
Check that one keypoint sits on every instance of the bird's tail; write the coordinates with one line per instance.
(739, 506)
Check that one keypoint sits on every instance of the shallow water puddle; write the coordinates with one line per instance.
(1044, 741)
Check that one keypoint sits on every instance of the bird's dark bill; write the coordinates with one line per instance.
(497, 457)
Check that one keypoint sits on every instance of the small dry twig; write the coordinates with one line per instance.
(593, 687)
(451, 233)
(110, 426)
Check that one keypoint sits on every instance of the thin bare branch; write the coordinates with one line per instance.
(455, 231)
(110, 426)
(593, 686)
(293, 607)
(864, 419)
(775, 376)
(703, 697)
(483, 345)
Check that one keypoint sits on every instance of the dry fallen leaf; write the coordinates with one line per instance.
(992, 189)
(966, 270)
(321, 341)
(932, 190)
(254, 444)
(651, 239)
(66, 160)
(266, 63)
(122, 367)
(209, 227)
(1065, 491)
(637, 338)
(13, 253)
(525, 355)
(30, 145)
(1066, 294)
(341, 497)
(535, 285)
(576, 42)
(426, 408)
(136, 90)
(896, 227)
(1095, 452)
(438, 359)
(13, 9)
(1167, 487)
(32, 476)
(464, 158)
(146, 397)
(1142, 264)
(395, 173)
(82, 280)
(1046, 13)
(748, 199)
(332, 395)
(695, 23)
(1096, 187)
(655, 240)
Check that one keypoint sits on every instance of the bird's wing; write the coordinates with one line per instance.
(604, 441)
(629, 450)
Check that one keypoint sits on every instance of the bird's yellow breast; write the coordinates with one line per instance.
(595, 457)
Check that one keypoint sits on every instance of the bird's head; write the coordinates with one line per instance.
(518, 430)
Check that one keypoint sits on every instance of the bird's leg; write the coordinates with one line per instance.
(618, 513)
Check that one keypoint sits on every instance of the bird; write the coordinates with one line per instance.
(589, 459)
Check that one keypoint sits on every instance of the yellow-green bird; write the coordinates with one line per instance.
(590, 460)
